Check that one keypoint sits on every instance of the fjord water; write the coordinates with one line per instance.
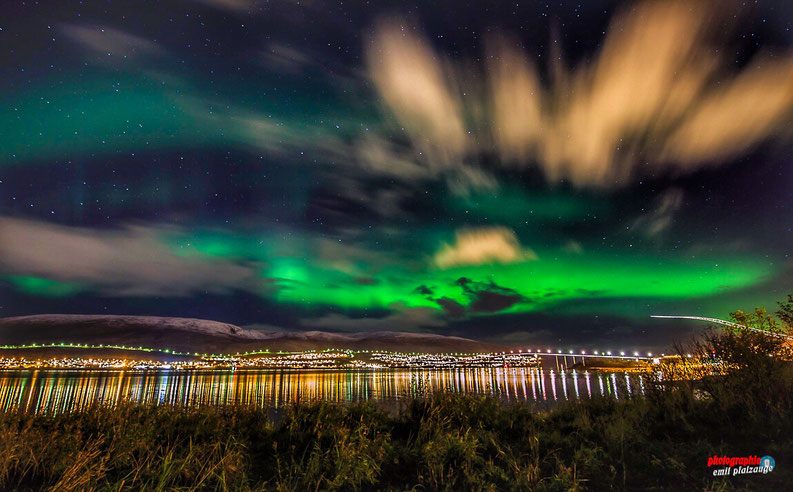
(57, 391)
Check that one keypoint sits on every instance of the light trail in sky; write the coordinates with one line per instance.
(721, 322)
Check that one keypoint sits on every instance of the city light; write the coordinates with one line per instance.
(265, 358)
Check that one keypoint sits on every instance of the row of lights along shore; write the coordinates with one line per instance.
(597, 353)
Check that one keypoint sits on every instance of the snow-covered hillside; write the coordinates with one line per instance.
(206, 327)
(197, 335)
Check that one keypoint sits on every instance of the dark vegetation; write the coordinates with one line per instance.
(733, 396)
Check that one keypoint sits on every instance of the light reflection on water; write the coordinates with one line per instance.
(62, 391)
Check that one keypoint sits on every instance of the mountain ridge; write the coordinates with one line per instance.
(197, 335)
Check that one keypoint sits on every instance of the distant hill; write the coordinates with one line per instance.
(196, 335)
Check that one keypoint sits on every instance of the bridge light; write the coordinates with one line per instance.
(622, 353)
(608, 352)
(636, 354)
(649, 354)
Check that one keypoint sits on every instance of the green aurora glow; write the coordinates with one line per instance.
(555, 277)
(43, 286)
(279, 163)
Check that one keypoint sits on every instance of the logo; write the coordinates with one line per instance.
(740, 465)
(767, 462)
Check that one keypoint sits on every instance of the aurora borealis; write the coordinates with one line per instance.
(517, 173)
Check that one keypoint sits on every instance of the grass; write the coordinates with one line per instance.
(444, 442)
(441, 442)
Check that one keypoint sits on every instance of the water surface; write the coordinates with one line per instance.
(56, 391)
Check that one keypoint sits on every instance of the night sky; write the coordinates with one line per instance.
(526, 173)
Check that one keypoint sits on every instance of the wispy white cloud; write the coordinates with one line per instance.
(573, 247)
(661, 216)
(410, 78)
(656, 97)
(133, 261)
(110, 41)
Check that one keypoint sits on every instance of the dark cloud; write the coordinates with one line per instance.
(424, 290)
(589, 292)
(490, 302)
(576, 332)
(452, 308)
(236, 6)
(463, 282)
(485, 297)
(400, 319)
(365, 281)
(488, 297)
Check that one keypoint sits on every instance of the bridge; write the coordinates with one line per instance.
(608, 354)
(561, 356)
(648, 356)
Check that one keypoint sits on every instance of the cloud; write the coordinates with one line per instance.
(351, 258)
(265, 328)
(573, 247)
(516, 99)
(658, 96)
(111, 41)
(423, 290)
(410, 78)
(381, 156)
(401, 319)
(452, 308)
(282, 58)
(742, 112)
(521, 337)
(237, 6)
(660, 218)
(420, 90)
(365, 281)
(482, 245)
(652, 68)
(237, 124)
(124, 262)
(487, 297)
